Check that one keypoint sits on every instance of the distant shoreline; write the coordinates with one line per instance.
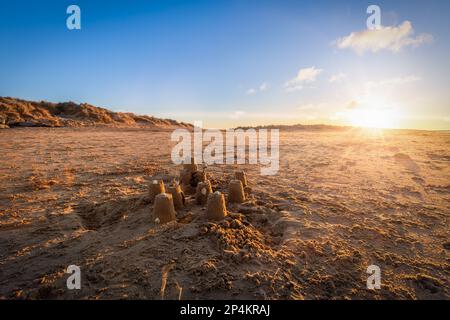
(19, 113)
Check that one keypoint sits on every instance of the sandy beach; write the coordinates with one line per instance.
(343, 200)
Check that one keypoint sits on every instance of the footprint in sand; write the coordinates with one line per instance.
(407, 162)
(419, 180)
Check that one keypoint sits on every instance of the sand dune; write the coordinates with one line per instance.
(22, 113)
(343, 200)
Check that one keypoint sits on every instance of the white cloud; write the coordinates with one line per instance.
(251, 91)
(392, 81)
(304, 76)
(237, 114)
(262, 88)
(391, 38)
(337, 77)
(310, 106)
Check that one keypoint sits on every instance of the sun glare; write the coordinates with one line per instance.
(370, 118)
(373, 115)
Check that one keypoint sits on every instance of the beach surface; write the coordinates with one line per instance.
(342, 201)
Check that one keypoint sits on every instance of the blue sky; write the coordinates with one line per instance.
(234, 62)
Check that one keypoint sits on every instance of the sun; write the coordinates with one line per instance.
(371, 118)
(375, 114)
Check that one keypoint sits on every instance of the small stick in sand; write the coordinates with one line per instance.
(177, 195)
(180, 289)
(236, 192)
(215, 207)
(240, 175)
(164, 275)
(202, 192)
(156, 187)
(163, 208)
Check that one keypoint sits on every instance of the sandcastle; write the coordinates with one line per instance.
(186, 173)
(190, 167)
(236, 192)
(156, 187)
(195, 181)
(198, 176)
(190, 176)
(202, 192)
(240, 175)
(177, 195)
(216, 208)
(163, 210)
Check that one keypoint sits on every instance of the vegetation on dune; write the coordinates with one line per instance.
(21, 113)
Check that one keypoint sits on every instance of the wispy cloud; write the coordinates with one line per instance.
(337, 77)
(304, 76)
(262, 88)
(237, 114)
(251, 91)
(392, 38)
(307, 107)
(317, 106)
(392, 81)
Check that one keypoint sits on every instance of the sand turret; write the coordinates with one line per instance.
(190, 176)
(202, 192)
(215, 207)
(177, 195)
(163, 210)
(236, 192)
(156, 187)
(240, 175)
(190, 167)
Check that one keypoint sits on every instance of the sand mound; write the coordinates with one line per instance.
(22, 113)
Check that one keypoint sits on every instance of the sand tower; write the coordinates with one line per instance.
(163, 210)
(202, 192)
(236, 192)
(215, 207)
(186, 176)
(156, 187)
(190, 176)
(177, 195)
(190, 167)
(197, 177)
(240, 175)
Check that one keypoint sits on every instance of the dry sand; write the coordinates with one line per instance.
(341, 202)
